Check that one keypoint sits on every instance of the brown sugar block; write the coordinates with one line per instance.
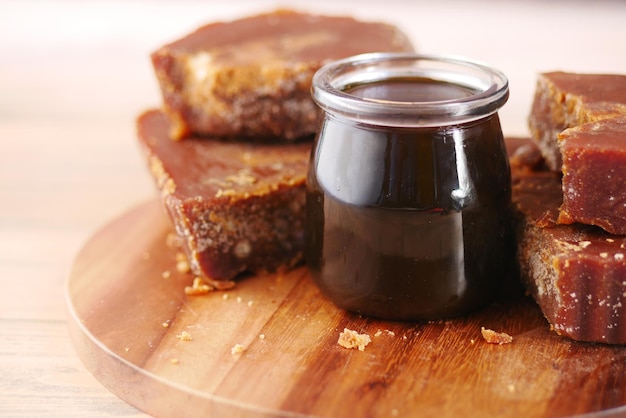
(594, 175)
(252, 76)
(238, 206)
(576, 273)
(564, 100)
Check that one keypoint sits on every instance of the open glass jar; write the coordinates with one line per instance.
(408, 190)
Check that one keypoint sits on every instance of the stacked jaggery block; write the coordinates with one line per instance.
(572, 212)
(594, 175)
(252, 76)
(576, 273)
(578, 123)
(230, 147)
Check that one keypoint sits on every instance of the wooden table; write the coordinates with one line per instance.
(73, 76)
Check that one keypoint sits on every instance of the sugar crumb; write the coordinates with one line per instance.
(166, 324)
(352, 339)
(225, 296)
(166, 274)
(182, 263)
(388, 332)
(493, 337)
(198, 288)
(183, 266)
(237, 349)
(184, 336)
(174, 361)
(262, 336)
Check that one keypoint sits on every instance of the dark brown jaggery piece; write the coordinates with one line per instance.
(594, 175)
(252, 76)
(564, 100)
(576, 273)
(238, 206)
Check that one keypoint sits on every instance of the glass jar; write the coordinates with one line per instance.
(408, 189)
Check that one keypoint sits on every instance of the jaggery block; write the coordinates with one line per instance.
(564, 100)
(594, 175)
(237, 206)
(252, 76)
(576, 273)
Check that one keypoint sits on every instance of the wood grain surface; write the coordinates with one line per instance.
(291, 364)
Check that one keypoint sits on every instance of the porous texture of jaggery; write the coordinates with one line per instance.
(237, 206)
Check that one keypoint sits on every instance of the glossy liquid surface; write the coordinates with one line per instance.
(404, 90)
(408, 224)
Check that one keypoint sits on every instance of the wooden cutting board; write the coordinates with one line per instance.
(124, 287)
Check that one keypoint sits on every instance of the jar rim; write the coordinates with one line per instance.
(491, 88)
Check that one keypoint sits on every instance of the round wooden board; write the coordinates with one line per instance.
(291, 365)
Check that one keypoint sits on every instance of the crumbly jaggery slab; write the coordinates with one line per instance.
(594, 175)
(563, 100)
(237, 206)
(252, 76)
(576, 273)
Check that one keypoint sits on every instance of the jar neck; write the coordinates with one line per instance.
(409, 90)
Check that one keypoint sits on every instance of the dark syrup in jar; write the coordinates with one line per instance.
(408, 223)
